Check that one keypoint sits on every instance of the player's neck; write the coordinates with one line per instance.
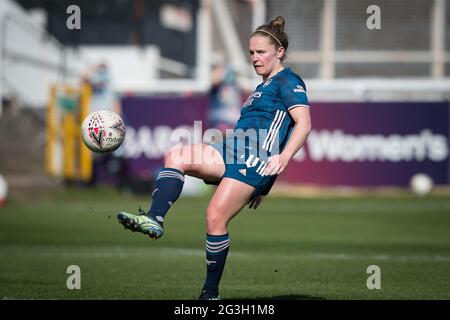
(274, 72)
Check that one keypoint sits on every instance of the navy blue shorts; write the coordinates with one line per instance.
(243, 162)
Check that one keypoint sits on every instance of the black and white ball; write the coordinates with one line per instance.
(103, 131)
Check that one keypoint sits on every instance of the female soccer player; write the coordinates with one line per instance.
(274, 124)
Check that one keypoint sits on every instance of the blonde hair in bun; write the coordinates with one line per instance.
(274, 30)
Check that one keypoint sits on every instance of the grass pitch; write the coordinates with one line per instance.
(286, 249)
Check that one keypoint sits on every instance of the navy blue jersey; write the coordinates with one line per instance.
(266, 109)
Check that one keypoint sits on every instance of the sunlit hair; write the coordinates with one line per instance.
(274, 31)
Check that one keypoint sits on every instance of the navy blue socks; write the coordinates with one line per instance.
(216, 255)
(168, 188)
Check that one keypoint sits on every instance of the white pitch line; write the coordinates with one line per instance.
(133, 252)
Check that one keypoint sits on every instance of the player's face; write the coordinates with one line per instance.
(264, 56)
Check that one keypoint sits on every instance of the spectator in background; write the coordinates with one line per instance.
(224, 98)
(103, 95)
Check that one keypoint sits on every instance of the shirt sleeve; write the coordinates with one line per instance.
(293, 94)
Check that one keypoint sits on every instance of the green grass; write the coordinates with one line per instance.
(288, 248)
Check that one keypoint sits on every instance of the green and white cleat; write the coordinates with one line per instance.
(142, 223)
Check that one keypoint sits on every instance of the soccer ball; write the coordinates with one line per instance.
(103, 131)
(421, 184)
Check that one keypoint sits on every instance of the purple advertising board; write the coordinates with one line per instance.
(150, 123)
(374, 144)
(351, 144)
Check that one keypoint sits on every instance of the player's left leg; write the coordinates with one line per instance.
(229, 198)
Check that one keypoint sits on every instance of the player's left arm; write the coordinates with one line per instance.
(302, 119)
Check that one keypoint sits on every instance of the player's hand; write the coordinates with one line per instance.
(276, 165)
(254, 202)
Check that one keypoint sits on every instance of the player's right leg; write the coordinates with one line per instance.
(198, 160)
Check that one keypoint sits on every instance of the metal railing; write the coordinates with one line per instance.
(31, 60)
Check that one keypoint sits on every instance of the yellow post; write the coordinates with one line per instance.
(69, 145)
(85, 153)
(51, 133)
(70, 134)
(64, 119)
